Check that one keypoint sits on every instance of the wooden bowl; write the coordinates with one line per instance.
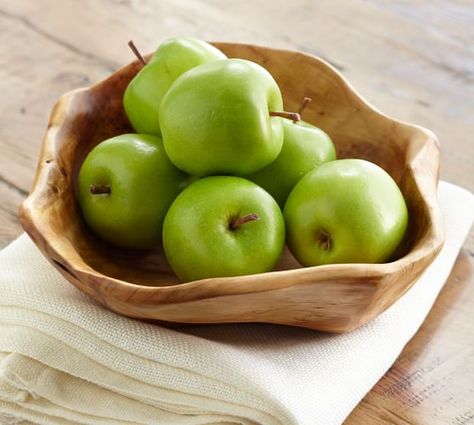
(334, 298)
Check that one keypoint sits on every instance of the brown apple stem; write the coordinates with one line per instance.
(98, 189)
(242, 220)
(136, 52)
(294, 116)
(324, 240)
(306, 102)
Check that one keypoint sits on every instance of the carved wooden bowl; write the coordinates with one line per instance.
(334, 298)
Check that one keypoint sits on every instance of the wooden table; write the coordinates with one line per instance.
(412, 59)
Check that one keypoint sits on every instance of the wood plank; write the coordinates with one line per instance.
(412, 59)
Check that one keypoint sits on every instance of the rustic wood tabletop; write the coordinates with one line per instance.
(411, 59)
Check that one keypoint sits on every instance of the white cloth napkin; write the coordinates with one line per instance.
(66, 360)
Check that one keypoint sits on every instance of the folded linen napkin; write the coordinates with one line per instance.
(66, 360)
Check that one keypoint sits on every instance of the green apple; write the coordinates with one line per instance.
(125, 187)
(345, 211)
(218, 118)
(223, 226)
(304, 148)
(143, 95)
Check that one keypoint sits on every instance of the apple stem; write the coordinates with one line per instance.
(294, 116)
(242, 220)
(306, 102)
(136, 52)
(99, 189)
(324, 239)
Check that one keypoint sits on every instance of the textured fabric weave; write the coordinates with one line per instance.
(66, 360)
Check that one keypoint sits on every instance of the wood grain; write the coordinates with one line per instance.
(411, 59)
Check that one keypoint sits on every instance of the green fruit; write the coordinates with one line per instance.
(223, 226)
(345, 211)
(174, 57)
(304, 148)
(215, 119)
(125, 187)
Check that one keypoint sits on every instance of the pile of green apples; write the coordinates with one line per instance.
(220, 175)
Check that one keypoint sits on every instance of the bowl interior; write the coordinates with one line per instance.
(357, 130)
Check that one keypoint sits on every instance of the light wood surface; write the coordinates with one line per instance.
(333, 298)
(413, 60)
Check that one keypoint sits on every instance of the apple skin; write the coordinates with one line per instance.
(304, 148)
(345, 211)
(143, 184)
(144, 93)
(198, 241)
(215, 119)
